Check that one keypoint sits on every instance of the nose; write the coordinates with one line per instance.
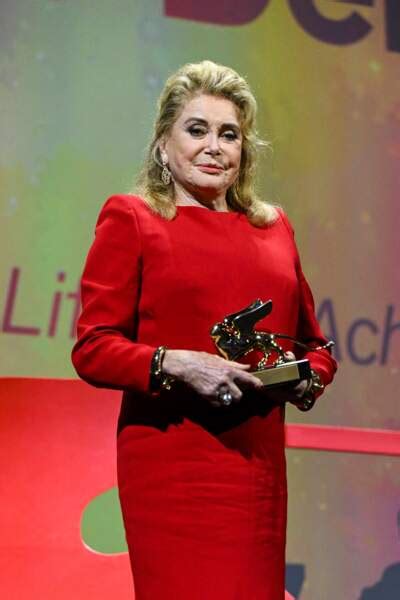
(213, 143)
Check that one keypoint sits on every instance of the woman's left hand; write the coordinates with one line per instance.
(287, 393)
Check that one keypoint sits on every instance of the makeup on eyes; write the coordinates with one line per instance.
(198, 127)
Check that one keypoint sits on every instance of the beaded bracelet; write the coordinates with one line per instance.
(158, 379)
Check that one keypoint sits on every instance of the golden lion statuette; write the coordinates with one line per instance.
(235, 337)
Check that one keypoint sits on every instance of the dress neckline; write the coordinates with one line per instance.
(205, 210)
(231, 214)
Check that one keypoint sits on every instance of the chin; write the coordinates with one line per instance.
(209, 182)
(208, 191)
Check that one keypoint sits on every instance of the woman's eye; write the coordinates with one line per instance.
(197, 131)
(230, 135)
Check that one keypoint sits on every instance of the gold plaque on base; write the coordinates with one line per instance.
(284, 373)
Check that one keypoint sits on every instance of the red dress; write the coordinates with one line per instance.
(202, 489)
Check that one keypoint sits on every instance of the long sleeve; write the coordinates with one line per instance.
(308, 329)
(105, 353)
(309, 332)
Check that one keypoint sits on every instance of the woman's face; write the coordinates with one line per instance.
(204, 147)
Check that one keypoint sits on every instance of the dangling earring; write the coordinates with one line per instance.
(165, 173)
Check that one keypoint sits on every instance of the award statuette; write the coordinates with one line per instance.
(235, 337)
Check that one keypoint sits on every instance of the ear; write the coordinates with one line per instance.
(163, 151)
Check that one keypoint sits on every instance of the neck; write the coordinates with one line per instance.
(184, 197)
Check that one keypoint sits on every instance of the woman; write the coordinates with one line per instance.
(201, 466)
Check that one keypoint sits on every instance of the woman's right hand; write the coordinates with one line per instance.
(209, 375)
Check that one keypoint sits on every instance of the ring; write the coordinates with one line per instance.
(225, 398)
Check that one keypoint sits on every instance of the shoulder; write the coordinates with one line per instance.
(126, 210)
(125, 203)
(284, 220)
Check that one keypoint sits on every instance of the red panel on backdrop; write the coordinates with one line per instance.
(57, 453)
(343, 439)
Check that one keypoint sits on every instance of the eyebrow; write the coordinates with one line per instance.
(205, 122)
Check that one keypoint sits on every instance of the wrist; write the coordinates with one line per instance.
(176, 362)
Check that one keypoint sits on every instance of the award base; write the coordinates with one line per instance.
(285, 373)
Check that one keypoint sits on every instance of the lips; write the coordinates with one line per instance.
(210, 167)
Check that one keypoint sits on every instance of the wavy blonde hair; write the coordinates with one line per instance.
(193, 79)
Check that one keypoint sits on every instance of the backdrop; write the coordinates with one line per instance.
(78, 86)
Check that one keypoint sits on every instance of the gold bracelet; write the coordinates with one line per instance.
(315, 385)
(158, 379)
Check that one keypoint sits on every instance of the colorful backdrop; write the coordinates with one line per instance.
(78, 86)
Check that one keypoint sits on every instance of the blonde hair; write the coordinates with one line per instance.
(191, 80)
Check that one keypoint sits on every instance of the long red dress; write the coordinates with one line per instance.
(202, 489)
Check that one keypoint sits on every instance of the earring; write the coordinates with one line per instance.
(165, 173)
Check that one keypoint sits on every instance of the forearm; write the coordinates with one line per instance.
(108, 359)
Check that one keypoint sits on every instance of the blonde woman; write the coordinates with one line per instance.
(201, 465)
